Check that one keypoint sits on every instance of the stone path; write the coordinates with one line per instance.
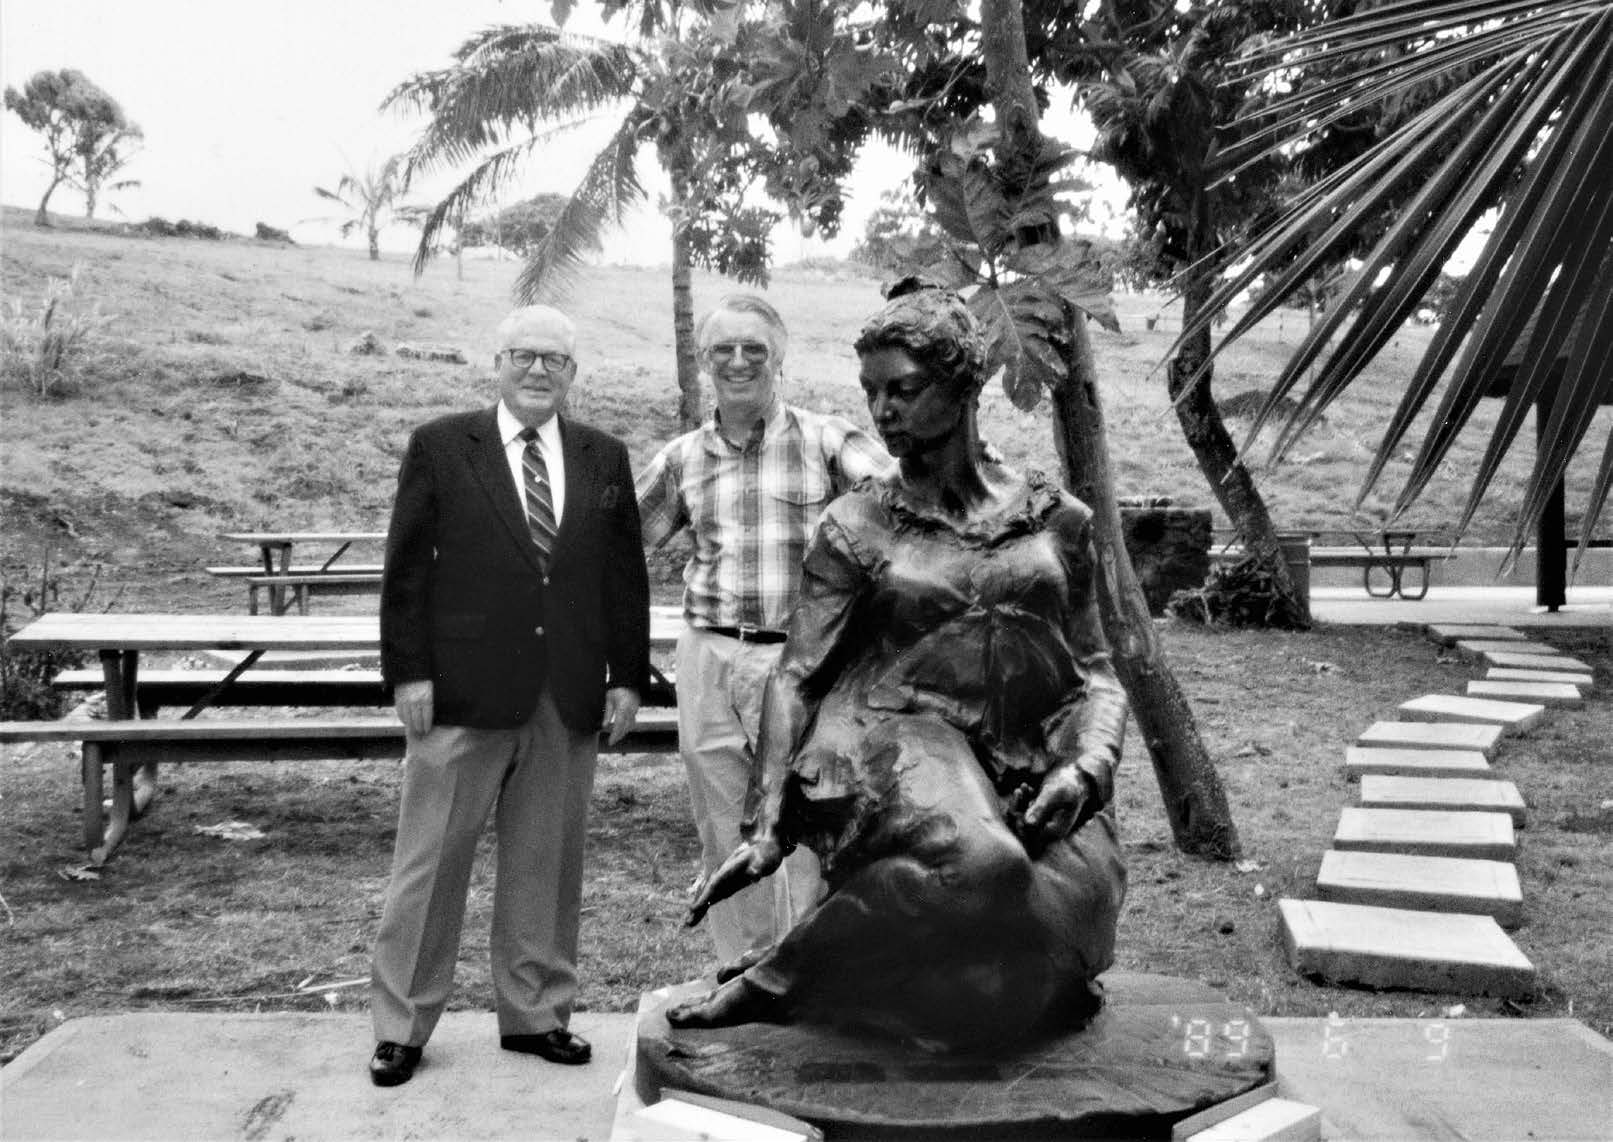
(1420, 879)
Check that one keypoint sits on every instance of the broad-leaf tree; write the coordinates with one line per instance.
(1517, 124)
(87, 136)
(993, 193)
(371, 195)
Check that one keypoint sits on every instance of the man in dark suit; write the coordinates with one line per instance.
(514, 611)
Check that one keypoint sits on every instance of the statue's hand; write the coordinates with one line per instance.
(1057, 808)
(754, 860)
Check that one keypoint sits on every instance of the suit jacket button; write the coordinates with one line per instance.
(538, 631)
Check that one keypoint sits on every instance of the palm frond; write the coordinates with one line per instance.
(508, 80)
(608, 188)
(1522, 128)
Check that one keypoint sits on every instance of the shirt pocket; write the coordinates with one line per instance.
(810, 490)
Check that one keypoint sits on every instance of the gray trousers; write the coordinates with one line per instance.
(536, 780)
(719, 709)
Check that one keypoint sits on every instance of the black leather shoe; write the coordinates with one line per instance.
(558, 1046)
(393, 1063)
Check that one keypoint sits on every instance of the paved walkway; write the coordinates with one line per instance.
(183, 1077)
(1501, 606)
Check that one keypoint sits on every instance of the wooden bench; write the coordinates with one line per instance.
(301, 587)
(244, 572)
(159, 689)
(132, 747)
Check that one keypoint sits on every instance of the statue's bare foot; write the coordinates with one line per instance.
(740, 966)
(737, 1001)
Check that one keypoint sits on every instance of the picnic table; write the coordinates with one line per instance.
(286, 579)
(119, 640)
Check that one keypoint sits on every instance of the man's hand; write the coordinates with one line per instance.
(1056, 809)
(752, 861)
(621, 708)
(412, 701)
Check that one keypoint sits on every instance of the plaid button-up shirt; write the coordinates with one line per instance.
(751, 510)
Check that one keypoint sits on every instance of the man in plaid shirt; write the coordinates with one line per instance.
(749, 484)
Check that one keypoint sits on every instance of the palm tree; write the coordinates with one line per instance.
(515, 89)
(370, 195)
(1518, 124)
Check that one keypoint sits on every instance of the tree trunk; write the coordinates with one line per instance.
(1195, 800)
(1217, 454)
(89, 200)
(375, 244)
(684, 349)
(42, 218)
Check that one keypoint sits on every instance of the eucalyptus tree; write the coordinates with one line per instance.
(513, 91)
(87, 136)
(1516, 126)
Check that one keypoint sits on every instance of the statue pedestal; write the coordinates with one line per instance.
(1160, 1050)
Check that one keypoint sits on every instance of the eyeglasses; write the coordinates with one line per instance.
(526, 358)
(754, 352)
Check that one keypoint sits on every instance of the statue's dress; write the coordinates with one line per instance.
(950, 667)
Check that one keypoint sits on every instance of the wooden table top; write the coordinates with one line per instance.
(123, 631)
(275, 538)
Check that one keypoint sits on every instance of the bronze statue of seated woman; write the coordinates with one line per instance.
(942, 730)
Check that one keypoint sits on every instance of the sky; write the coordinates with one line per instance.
(246, 107)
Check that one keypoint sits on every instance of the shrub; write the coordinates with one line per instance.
(158, 227)
(25, 689)
(45, 349)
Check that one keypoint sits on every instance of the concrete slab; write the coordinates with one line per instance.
(1545, 693)
(1373, 1079)
(1476, 647)
(1513, 717)
(1449, 634)
(166, 1076)
(1402, 948)
(1428, 884)
(1513, 674)
(1387, 791)
(1534, 661)
(1362, 760)
(1426, 832)
(1470, 736)
(1496, 1080)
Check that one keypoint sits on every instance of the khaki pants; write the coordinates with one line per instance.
(719, 709)
(536, 780)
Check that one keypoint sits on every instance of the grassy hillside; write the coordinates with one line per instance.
(220, 393)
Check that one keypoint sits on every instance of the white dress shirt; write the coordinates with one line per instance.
(509, 431)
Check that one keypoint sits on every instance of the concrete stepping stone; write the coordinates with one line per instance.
(1272, 1120)
(1449, 634)
(1485, 795)
(1534, 661)
(1545, 693)
(1362, 760)
(1428, 884)
(1426, 832)
(1513, 674)
(1400, 947)
(1432, 735)
(1515, 717)
(1478, 647)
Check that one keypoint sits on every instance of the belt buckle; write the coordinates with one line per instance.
(747, 632)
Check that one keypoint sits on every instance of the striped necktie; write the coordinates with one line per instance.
(539, 500)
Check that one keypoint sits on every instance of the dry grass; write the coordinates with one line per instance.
(223, 398)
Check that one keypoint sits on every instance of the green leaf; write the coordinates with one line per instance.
(1024, 326)
(1069, 270)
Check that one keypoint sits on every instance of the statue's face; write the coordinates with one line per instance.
(912, 411)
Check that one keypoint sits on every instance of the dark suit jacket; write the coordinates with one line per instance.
(465, 603)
